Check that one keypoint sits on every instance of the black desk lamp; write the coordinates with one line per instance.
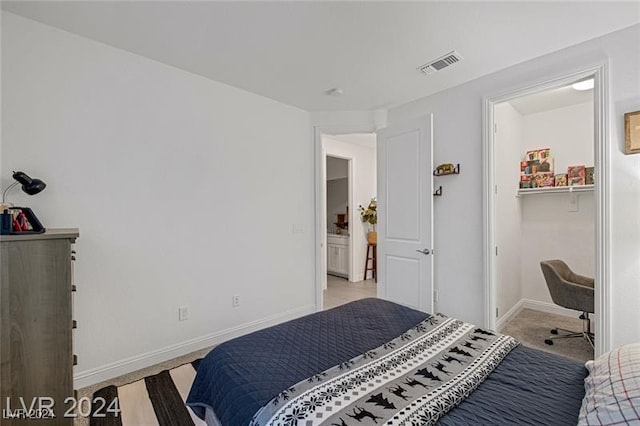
(29, 185)
(30, 223)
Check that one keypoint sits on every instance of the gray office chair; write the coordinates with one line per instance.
(571, 291)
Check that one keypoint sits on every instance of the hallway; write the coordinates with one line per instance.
(340, 291)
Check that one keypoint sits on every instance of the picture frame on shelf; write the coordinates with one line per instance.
(632, 132)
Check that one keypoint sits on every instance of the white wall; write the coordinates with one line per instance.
(363, 164)
(178, 185)
(568, 131)
(458, 138)
(550, 230)
(337, 168)
(508, 150)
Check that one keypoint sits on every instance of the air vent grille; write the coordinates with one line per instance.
(440, 63)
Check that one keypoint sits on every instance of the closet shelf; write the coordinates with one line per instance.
(555, 190)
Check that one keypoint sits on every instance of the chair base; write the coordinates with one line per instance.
(586, 333)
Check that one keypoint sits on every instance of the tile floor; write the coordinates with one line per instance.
(340, 291)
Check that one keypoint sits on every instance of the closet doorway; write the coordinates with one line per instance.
(528, 218)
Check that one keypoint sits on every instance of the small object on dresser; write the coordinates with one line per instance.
(6, 222)
(20, 220)
(23, 222)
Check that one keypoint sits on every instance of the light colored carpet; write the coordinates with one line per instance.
(531, 328)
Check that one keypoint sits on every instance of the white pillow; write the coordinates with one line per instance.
(612, 388)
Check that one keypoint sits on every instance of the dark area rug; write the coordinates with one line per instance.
(158, 399)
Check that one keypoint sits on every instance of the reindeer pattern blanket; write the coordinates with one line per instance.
(414, 379)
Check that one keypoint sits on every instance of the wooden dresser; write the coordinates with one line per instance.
(36, 357)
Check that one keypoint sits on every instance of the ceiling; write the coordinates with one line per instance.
(551, 99)
(293, 52)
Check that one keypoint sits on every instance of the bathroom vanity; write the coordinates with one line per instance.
(338, 255)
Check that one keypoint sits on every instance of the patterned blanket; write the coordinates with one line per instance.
(412, 380)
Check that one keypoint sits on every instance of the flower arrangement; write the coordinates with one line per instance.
(370, 214)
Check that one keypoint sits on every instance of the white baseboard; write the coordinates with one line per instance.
(535, 305)
(550, 308)
(509, 315)
(109, 371)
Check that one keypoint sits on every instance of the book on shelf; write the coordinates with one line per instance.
(536, 170)
(576, 175)
(560, 179)
(543, 180)
(588, 176)
(576, 181)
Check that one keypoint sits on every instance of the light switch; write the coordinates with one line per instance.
(298, 228)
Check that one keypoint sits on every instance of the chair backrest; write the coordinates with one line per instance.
(567, 288)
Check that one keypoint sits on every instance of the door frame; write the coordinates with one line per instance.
(319, 163)
(602, 189)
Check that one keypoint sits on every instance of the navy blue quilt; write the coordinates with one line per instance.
(529, 387)
(238, 377)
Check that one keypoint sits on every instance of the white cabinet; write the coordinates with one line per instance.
(338, 255)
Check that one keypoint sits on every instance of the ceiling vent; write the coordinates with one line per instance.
(440, 63)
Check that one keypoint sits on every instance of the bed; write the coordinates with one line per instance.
(259, 378)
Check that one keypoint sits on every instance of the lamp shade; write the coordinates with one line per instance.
(29, 185)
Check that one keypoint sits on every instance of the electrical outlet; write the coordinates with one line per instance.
(183, 313)
(235, 300)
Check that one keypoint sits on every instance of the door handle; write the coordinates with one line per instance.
(424, 251)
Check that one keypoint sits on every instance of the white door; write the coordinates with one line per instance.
(405, 216)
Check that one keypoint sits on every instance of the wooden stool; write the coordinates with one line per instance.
(371, 256)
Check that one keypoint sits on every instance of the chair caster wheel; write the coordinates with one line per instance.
(549, 342)
(554, 331)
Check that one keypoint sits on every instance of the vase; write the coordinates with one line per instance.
(372, 237)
